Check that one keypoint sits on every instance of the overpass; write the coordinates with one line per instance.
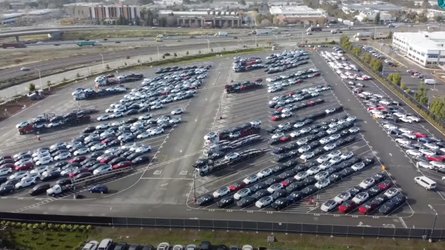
(55, 34)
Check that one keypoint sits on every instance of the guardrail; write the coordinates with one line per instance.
(333, 230)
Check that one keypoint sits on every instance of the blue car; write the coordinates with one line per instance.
(102, 189)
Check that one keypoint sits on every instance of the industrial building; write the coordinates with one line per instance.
(203, 18)
(297, 14)
(102, 13)
(424, 48)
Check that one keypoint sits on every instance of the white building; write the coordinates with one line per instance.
(168, 2)
(424, 48)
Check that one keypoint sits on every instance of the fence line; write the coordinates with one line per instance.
(205, 224)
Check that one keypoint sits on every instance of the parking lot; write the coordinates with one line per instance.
(169, 184)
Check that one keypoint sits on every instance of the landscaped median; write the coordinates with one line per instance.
(18, 102)
(391, 86)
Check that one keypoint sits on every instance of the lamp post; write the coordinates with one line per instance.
(157, 48)
(40, 78)
(194, 185)
(208, 44)
(102, 56)
(434, 222)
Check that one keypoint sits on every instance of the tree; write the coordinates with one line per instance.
(377, 18)
(438, 19)
(143, 2)
(422, 18)
(356, 51)
(403, 85)
(395, 78)
(147, 17)
(426, 4)
(242, 2)
(437, 107)
(31, 87)
(367, 58)
(422, 95)
(376, 65)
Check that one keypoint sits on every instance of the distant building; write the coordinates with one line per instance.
(203, 18)
(424, 48)
(168, 2)
(103, 13)
(370, 15)
(297, 14)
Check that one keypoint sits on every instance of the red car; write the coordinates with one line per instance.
(371, 205)
(284, 139)
(107, 159)
(420, 135)
(384, 185)
(286, 182)
(236, 186)
(439, 158)
(77, 172)
(25, 166)
(122, 164)
(346, 207)
(276, 118)
(77, 159)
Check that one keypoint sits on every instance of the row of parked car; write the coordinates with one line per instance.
(426, 150)
(67, 170)
(373, 194)
(243, 64)
(51, 122)
(282, 82)
(108, 244)
(344, 69)
(280, 62)
(90, 93)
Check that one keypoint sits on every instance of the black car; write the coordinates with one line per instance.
(133, 156)
(373, 191)
(6, 189)
(286, 174)
(117, 160)
(354, 190)
(246, 201)
(308, 190)
(141, 159)
(89, 130)
(334, 177)
(392, 204)
(279, 194)
(260, 193)
(64, 182)
(205, 200)
(52, 175)
(39, 189)
(294, 186)
(295, 196)
(290, 163)
(3, 179)
(346, 172)
(308, 181)
(258, 186)
(225, 201)
(205, 245)
(271, 180)
(280, 203)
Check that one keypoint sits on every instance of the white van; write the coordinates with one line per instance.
(430, 81)
(105, 244)
(425, 182)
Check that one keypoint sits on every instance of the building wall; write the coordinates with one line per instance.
(103, 12)
(424, 56)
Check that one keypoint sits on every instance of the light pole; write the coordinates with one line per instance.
(434, 222)
(194, 185)
(40, 78)
(157, 48)
(102, 56)
(208, 44)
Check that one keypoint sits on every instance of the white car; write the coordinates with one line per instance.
(221, 192)
(304, 149)
(102, 169)
(328, 205)
(330, 146)
(424, 164)
(62, 156)
(313, 170)
(358, 166)
(301, 175)
(81, 151)
(242, 193)
(343, 196)
(25, 182)
(231, 156)
(323, 158)
(431, 146)
(325, 165)
(334, 153)
(44, 161)
(274, 187)
(413, 118)
(263, 202)
(427, 152)
(410, 136)
(413, 153)
(307, 155)
(335, 160)
(367, 183)
(264, 173)
(322, 183)
(321, 175)
(250, 179)
(177, 111)
(5, 171)
(278, 135)
(391, 192)
(347, 155)
(403, 141)
(405, 119)
(405, 130)
(360, 198)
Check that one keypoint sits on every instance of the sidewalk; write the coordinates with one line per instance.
(84, 73)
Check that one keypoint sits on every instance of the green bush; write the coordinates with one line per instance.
(32, 87)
